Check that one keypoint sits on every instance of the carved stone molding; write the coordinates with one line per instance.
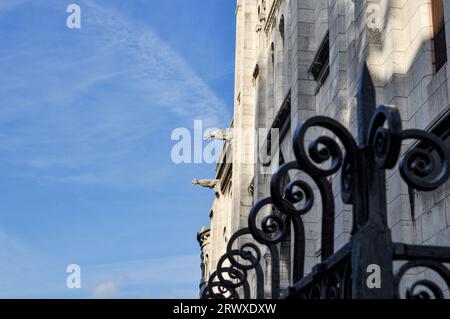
(271, 16)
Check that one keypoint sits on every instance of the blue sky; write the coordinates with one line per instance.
(85, 151)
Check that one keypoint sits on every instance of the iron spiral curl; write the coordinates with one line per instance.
(273, 228)
(237, 278)
(249, 252)
(433, 290)
(385, 143)
(419, 168)
(284, 197)
(227, 279)
(323, 148)
(217, 289)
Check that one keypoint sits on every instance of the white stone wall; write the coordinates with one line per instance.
(400, 55)
(244, 112)
(230, 209)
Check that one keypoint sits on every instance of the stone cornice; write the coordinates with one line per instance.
(224, 169)
(238, 6)
(271, 16)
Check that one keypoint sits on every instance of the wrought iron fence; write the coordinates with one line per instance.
(362, 164)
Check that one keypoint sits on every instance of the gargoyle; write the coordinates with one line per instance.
(208, 183)
(222, 135)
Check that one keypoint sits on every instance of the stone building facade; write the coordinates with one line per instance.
(300, 58)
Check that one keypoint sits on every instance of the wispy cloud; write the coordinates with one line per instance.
(7, 5)
(105, 290)
(105, 98)
(93, 107)
(155, 278)
(29, 274)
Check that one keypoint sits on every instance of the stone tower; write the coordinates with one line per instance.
(244, 114)
(299, 58)
(203, 237)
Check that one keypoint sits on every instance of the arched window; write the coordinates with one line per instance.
(225, 238)
(206, 261)
(281, 27)
(272, 54)
(272, 63)
(440, 43)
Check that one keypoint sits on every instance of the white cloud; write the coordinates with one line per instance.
(148, 278)
(7, 5)
(26, 273)
(101, 102)
(87, 111)
(105, 290)
(184, 294)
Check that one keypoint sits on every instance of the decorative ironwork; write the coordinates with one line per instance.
(361, 164)
(234, 266)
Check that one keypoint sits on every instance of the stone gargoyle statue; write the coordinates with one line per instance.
(208, 183)
(221, 135)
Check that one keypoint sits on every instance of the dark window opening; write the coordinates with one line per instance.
(285, 248)
(320, 67)
(440, 43)
(272, 54)
(282, 122)
(281, 27)
(255, 73)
